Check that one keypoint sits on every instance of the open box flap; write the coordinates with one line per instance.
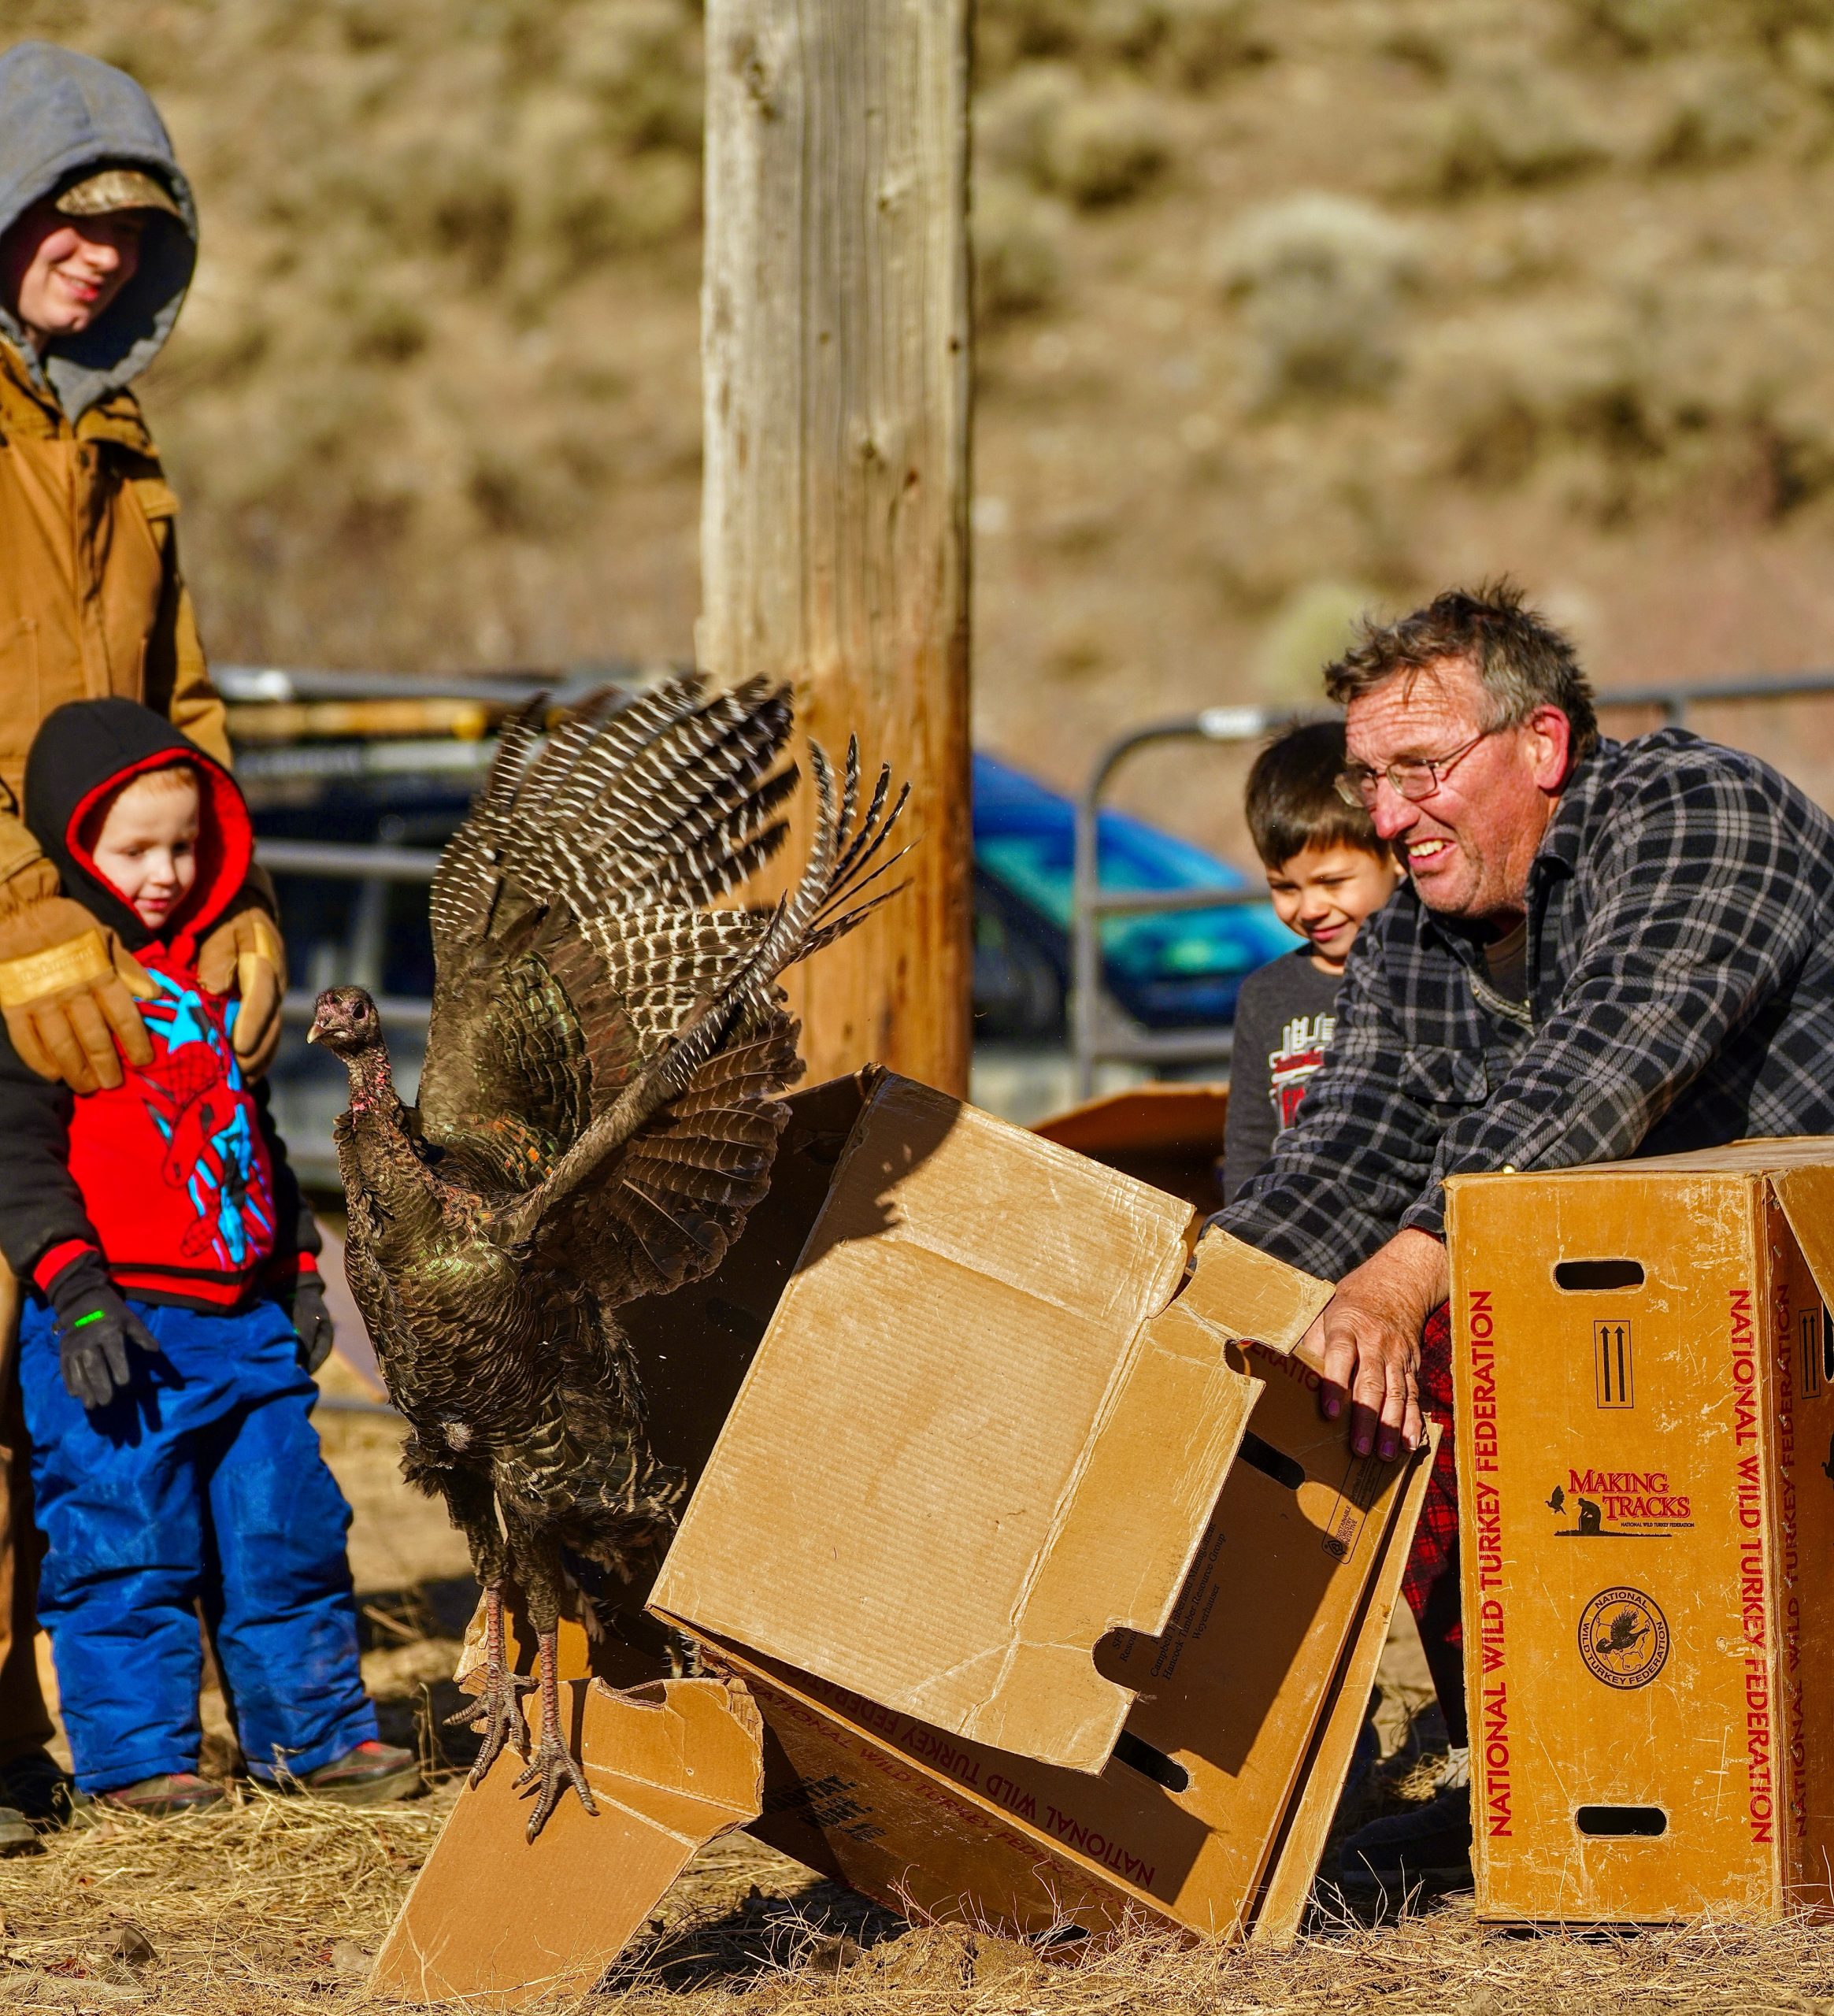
(1806, 1194)
(1130, 1530)
(1125, 1534)
(917, 1495)
(501, 1920)
(902, 1455)
(1293, 1868)
(1248, 1295)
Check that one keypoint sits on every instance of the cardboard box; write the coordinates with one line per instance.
(1210, 1814)
(929, 1490)
(1170, 1135)
(1645, 1366)
(1044, 1634)
(1209, 1818)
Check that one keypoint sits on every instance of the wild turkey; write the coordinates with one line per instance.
(597, 1116)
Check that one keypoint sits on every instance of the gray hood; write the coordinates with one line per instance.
(61, 112)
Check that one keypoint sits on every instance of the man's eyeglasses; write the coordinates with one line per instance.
(1413, 778)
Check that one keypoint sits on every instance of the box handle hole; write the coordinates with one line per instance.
(1604, 1822)
(1578, 1277)
(1151, 1763)
(1262, 1456)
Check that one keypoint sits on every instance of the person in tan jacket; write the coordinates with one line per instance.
(98, 242)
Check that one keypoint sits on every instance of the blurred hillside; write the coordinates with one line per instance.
(1284, 308)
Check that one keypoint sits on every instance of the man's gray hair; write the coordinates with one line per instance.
(1522, 661)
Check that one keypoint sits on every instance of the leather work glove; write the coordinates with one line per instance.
(67, 986)
(244, 955)
(95, 1328)
(312, 1319)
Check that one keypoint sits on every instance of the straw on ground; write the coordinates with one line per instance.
(274, 1906)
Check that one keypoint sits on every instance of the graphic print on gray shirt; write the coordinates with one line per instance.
(1285, 1018)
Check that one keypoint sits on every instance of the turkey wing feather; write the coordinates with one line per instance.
(577, 969)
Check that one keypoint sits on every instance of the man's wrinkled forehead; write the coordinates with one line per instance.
(1417, 712)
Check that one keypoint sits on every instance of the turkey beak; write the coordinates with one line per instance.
(312, 1034)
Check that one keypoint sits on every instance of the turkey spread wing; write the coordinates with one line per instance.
(605, 1049)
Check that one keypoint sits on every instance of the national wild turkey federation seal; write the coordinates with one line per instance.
(1624, 1638)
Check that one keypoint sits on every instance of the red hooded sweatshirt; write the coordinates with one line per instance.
(176, 1175)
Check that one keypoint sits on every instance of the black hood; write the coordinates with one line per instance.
(85, 747)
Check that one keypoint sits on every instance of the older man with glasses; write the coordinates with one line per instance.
(1602, 949)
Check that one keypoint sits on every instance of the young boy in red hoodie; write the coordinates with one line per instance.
(167, 1388)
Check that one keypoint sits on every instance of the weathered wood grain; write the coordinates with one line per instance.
(833, 531)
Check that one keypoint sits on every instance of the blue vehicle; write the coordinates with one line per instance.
(1182, 970)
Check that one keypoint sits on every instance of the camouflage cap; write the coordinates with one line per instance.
(116, 189)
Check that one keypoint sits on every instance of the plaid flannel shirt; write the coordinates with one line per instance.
(1681, 968)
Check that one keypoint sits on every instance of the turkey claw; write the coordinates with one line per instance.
(496, 1708)
(550, 1772)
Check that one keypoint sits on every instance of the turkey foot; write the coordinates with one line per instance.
(553, 1767)
(496, 1709)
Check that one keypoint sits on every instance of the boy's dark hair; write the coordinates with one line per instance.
(1292, 800)
(1521, 660)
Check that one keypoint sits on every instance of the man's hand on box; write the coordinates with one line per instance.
(1367, 1342)
(244, 955)
(67, 986)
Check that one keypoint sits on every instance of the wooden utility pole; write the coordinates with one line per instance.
(834, 528)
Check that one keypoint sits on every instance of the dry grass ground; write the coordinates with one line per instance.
(274, 1910)
(274, 1907)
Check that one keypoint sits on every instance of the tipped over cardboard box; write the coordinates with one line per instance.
(1209, 1812)
(1058, 1601)
(981, 1434)
(1645, 1362)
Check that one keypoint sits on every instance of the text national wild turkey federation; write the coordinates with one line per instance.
(598, 1114)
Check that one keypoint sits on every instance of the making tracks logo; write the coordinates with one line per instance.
(1628, 1505)
(1624, 1638)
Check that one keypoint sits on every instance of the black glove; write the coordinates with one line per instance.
(312, 1320)
(95, 1328)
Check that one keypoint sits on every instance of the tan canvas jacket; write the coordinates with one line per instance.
(91, 601)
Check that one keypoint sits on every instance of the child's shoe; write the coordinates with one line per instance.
(372, 1774)
(154, 1799)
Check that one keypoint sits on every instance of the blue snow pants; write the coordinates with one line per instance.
(202, 1481)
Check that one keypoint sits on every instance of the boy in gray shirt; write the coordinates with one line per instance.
(1326, 872)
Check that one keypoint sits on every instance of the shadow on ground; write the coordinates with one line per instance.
(410, 1638)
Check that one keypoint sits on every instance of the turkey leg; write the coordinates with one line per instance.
(552, 1768)
(497, 1708)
